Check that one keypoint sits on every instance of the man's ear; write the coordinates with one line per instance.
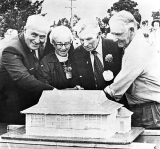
(131, 29)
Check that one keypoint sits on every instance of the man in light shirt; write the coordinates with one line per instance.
(107, 51)
(139, 78)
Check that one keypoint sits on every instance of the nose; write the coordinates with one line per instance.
(85, 43)
(63, 47)
(115, 38)
(37, 39)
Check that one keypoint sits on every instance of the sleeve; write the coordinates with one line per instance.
(44, 73)
(132, 68)
(12, 61)
(75, 78)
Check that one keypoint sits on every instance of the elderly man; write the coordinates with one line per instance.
(139, 78)
(98, 60)
(19, 88)
(58, 68)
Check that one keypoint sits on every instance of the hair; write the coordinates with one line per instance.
(124, 16)
(60, 31)
(38, 21)
(89, 24)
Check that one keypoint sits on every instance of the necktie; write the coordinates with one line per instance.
(98, 72)
(36, 60)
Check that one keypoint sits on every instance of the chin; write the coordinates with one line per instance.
(63, 55)
(121, 45)
(33, 47)
(88, 49)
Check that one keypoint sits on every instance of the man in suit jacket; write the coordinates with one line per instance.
(19, 88)
(107, 51)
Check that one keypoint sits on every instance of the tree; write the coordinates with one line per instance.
(14, 13)
(156, 15)
(64, 22)
(127, 5)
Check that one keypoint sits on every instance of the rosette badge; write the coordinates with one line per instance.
(109, 58)
(108, 75)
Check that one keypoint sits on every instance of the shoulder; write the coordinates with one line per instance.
(108, 42)
(80, 51)
(11, 45)
(50, 57)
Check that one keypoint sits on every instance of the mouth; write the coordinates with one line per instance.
(35, 44)
(63, 52)
(87, 48)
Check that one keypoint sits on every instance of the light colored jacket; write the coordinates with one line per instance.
(139, 77)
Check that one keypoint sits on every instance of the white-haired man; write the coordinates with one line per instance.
(19, 88)
(139, 78)
(98, 60)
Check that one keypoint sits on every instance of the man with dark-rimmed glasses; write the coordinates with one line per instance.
(58, 68)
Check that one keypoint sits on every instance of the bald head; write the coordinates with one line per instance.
(123, 27)
(35, 31)
(37, 22)
(123, 17)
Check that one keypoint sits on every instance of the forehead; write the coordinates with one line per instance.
(118, 27)
(88, 33)
(37, 29)
(62, 38)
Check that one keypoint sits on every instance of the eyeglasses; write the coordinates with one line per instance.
(60, 45)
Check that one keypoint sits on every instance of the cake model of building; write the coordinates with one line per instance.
(77, 113)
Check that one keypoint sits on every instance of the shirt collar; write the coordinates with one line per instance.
(62, 59)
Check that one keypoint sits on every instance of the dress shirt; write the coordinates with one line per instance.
(154, 39)
(35, 52)
(139, 77)
(99, 53)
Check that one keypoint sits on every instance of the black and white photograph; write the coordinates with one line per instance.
(79, 74)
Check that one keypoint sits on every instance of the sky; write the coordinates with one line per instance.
(57, 9)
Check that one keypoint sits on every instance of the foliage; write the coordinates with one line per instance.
(156, 15)
(64, 22)
(14, 13)
(75, 19)
(127, 5)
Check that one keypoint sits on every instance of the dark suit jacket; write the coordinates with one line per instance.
(51, 71)
(84, 66)
(19, 88)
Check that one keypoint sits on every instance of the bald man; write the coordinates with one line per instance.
(19, 88)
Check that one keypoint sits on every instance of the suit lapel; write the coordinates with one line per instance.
(105, 50)
(60, 69)
(28, 56)
(89, 69)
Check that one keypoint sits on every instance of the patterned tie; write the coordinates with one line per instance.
(98, 72)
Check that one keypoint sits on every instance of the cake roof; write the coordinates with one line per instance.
(74, 102)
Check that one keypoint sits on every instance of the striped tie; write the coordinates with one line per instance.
(98, 72)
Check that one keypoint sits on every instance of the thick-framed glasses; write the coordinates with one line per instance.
(60, 45)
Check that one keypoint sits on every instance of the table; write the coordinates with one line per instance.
(24, 144)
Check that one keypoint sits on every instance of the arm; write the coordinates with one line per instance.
(12, 61)
(131, 69)
(44, 73)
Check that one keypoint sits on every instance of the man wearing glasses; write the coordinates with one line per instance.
(19, 88)
(58, 68)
